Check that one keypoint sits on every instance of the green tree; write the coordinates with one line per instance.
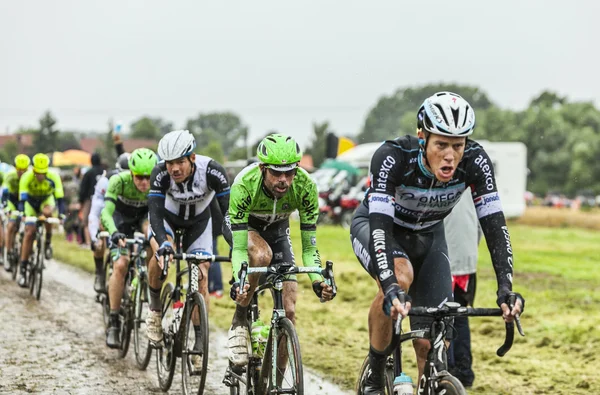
(225, 127)
(46, 138)
(387, 118)
(148, 128)
(9, 151)
(318, 143)
(213, 150)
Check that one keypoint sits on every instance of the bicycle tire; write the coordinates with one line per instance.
(450, 385)
(142, 354)
(364, 369)
(286, 328)
(193, 382)
(15, 262)
(126, 318)
(106, 299)
(165, 355)
(35, 273)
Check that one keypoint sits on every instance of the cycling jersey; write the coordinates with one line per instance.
(37, 193)
(123, 197)
(251, 207)
(405, 193)
(187, 203)
(10, 189)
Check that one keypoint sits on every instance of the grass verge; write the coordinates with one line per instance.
(555, 269)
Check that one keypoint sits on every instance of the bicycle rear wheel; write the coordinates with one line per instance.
(141, 344)
(165, 354)
(450, 385)
(365, 371)
(106, 299)
(35, 274)
(289, 378)
(126, 317)
(193, 375)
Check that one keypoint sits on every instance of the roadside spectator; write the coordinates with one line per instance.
(215, 276)
(462, 235)
(86, 191)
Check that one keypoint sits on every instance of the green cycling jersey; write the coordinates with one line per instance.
(248, 201)
(10, 183)
(122, 196)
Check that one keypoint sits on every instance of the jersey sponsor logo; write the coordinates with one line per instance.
(420, 202)
(243, 206)
(487, 172)
(384, 171)
(508, 246)
(132, 202)
(385, 274)
(159, 178)
(381, 203)
(361, 252)
(487, 204)
(219, 175)
(313, 240)
(289, 239)
(187, 199)
(270, 218)
(378, 236)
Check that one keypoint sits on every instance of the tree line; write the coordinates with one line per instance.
(562, 136)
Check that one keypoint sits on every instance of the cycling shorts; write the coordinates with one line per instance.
(196, 238)
(34, 207)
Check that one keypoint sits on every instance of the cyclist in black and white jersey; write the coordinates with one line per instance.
(398, 233)
(182, 187)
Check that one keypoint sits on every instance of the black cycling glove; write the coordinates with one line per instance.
(510, 298)
(393, 291)
(115, 237)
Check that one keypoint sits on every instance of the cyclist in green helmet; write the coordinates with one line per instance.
(263, 196)
(125, 212)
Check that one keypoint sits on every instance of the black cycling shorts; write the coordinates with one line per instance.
(129, 225)
(426, 250)
(276, 235)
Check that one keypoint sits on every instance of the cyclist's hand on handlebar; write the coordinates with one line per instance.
(164, 250)
(395, 302)
(117, 239)
(323, 290)
(512, 305)
(234, 293)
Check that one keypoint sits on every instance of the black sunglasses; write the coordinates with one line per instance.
(277, 173)
(142, 177)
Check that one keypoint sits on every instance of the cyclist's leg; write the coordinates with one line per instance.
(27, 246)
(198, 238)
(380, 325)
(97, 245)
(153, 320)
(430, 290)
(11, 227)
(259, 255)
(48, 206)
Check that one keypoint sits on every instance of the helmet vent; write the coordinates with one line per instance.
(263, 149)
(271, 139)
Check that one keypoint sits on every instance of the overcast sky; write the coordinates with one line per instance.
(279, 64)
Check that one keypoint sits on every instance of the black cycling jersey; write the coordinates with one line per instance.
(186, 204)
(405, 193)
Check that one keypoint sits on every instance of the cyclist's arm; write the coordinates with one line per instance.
(240, 203)
(59, 193)
(493, 223)
(385, 164)
(110, 199)
(216, 178)
(24, 182)
(96, 208)
(159, 184)
(5, 191)
(309, 213)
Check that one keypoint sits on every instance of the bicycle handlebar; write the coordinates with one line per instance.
(198, 256)
(285, 269)
(49, 220)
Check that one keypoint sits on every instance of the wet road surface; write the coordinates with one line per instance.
(56, 345)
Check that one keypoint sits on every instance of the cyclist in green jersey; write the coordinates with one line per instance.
(38, 189)
(263, 196)
(125, 211)
(10, 201)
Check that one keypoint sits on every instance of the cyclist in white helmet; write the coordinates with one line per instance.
(182, 186)
(398, 232)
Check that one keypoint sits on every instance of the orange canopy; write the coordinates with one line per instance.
(72, 157)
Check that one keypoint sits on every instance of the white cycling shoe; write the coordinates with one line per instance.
(237, 345)
(154, 326)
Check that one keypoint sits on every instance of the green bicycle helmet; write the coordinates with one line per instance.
(279, 151)
(142, 161)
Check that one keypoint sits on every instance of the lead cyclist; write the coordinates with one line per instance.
(398, 232)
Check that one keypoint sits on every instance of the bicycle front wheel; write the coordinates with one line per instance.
(36, 277)
(141, 344)
(126, 318)
(165, 354)
(194, 362)
(105, 299)
(450, 385)
(288, 377)
(365, 371)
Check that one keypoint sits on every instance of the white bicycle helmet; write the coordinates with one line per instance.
(447, 114)
(176, 144)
